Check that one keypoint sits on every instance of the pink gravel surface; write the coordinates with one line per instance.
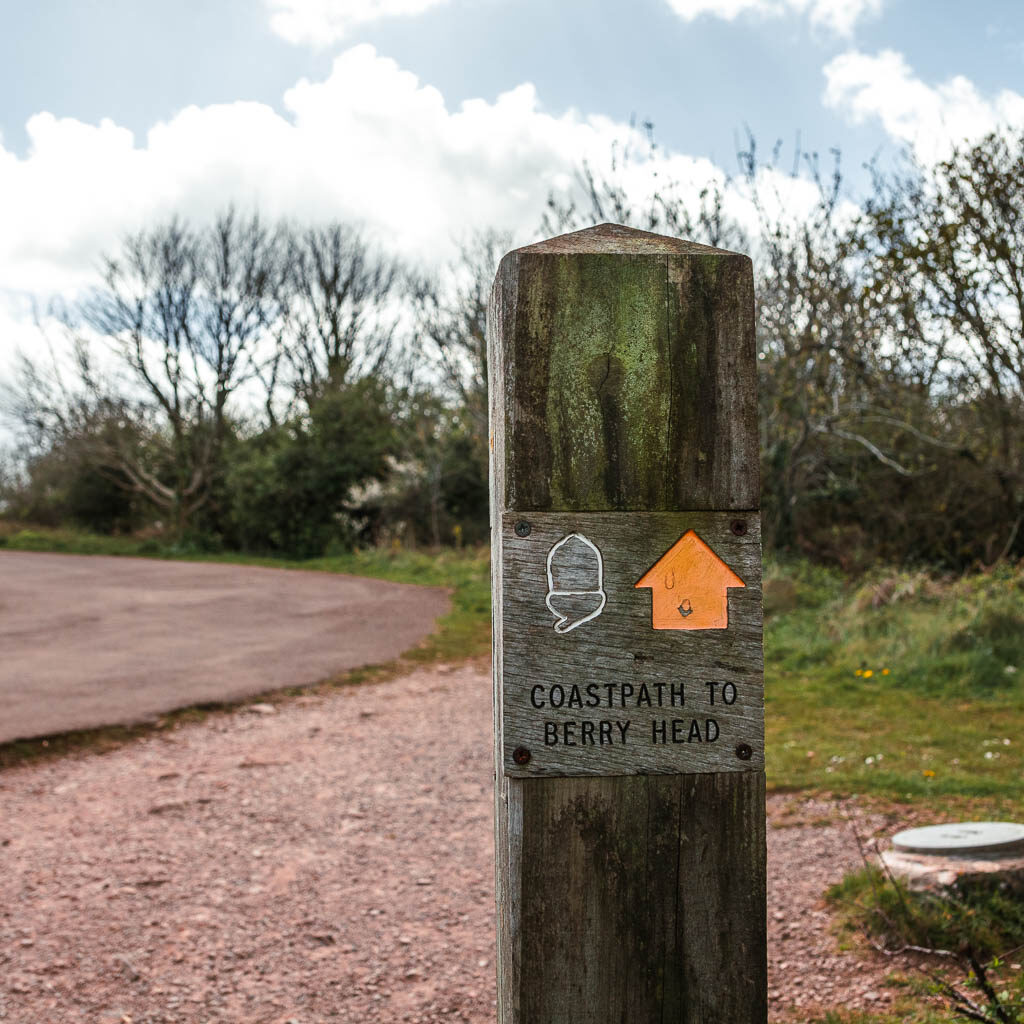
(330, 860)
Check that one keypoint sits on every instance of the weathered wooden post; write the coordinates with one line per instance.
(628, 677)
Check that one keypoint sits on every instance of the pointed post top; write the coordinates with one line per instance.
(634, 361)
(619, 239)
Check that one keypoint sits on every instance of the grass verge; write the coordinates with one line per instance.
(987, 919)
(900, 687)
(974, 932)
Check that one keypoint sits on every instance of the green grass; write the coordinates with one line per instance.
(41, 538)
(979, 924)
(985, 918)
(903, 687)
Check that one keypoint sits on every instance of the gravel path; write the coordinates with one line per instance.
(129, 638)
(329, 861)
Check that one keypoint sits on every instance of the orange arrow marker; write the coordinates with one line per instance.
(690, 586)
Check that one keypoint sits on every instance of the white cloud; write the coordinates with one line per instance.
(929, 118)
(369, 144)
(838, 16)
(323, 22)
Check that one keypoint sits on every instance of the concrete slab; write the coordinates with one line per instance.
(963, 839)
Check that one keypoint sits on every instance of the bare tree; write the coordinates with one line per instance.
(242, 269)
(816, 346)
(835, 392)
(947, 244)
(339, 310)
(451, 322)
(157, 354)
(671, 208)
(11, 476)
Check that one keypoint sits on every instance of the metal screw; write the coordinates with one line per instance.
(521, 755)
(743, 752)
(739, 527)
(523, 530)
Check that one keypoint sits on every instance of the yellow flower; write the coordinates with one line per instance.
(885, 671)
(928, 773)
(868, 673)
(859, 672)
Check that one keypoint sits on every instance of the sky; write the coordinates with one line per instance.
(423, 120)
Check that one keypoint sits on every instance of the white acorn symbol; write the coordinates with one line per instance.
(575, 582)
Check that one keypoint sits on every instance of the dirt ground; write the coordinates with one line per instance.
(330, 860)
(286, 628)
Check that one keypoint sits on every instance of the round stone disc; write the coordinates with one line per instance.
(963, 839)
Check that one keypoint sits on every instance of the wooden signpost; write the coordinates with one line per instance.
(628, 678)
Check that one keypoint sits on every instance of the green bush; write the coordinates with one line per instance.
(32, 540)
(287, 488)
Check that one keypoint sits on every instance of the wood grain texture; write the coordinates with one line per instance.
(642, 900)
(634, 381)
(619, 648)
(622, 376)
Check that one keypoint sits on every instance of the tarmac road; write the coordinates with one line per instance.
(87, 641)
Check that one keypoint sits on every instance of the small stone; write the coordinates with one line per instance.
(262, 709)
